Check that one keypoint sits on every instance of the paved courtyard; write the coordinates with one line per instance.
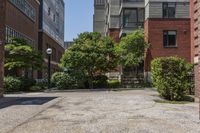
(96, 112)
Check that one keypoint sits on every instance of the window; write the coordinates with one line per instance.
(49, 11)
(133, 18)
(54, 18)
(25, 7)
(169, 10)
(169, 38)
(11, 33)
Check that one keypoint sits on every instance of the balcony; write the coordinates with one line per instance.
(131, 19)
(130, 27)
(131, 4)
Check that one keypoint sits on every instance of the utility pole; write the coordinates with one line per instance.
(2, 42)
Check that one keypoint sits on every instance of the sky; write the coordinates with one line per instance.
(78, 17)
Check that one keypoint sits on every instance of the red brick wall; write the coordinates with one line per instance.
(21, 23)
(192, 29)
(44, 41)
(154, 35)
(2, 37)
(195, 25)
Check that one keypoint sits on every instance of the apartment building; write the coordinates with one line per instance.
(118, 17)
(131, 16)
(99, 16)
(51, 31)
(195, 40)
(167, 29)
(112, 19)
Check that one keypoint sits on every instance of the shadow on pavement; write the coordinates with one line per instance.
(10, 101)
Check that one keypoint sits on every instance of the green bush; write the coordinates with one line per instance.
(12, 84)
(170, 77)
(35, 88)
(100, 81)
(26, 83)
(62, 80)
(114, 83)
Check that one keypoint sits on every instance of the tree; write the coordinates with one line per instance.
(90, 54)
(131, 49)
(20, 55)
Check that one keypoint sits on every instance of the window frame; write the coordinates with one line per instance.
(169, 46)
(167, 3)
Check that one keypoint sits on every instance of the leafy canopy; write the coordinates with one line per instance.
(19, 55)
(131, 49)
(91, 53)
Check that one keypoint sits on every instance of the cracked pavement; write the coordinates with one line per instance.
(96, 112)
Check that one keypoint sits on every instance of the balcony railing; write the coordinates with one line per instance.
(132, 0)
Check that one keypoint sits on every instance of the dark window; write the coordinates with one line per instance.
(133, 18)
(169, 38)
(169, 10)
(49, 11)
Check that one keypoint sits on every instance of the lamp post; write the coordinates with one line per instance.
(2, 42)
(49, 52)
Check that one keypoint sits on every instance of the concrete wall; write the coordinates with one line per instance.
(153, 9)
(99, 19)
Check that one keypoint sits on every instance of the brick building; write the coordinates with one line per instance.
(195, 40)
(2, 42)
(21, 21)
(51, 31)
(167, 29)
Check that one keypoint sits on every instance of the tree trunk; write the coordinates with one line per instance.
(91, 78)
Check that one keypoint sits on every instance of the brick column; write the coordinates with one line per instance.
(2, 41)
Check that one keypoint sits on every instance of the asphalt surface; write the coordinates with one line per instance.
(96, 112)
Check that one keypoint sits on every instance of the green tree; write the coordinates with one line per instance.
(20, 55)
(131, 49)
(91, 54)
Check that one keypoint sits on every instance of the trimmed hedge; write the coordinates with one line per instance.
(114, 83)
(12, 84)
(170, 77)
(63, 81)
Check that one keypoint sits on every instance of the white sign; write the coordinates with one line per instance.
(196, 60)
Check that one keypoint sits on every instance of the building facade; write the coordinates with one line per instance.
(167, 30)
(2, 42)
(51, 31)
(99, 16)
(21, 21)
(67, 44)
(195, 40)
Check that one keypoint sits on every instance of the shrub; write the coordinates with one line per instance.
(100, 81)
(170, 77)
(12, 84)
(35, 88)
(114, 83)
(62, 80)
(26, 83)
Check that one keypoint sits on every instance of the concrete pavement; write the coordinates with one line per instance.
(96, 112)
